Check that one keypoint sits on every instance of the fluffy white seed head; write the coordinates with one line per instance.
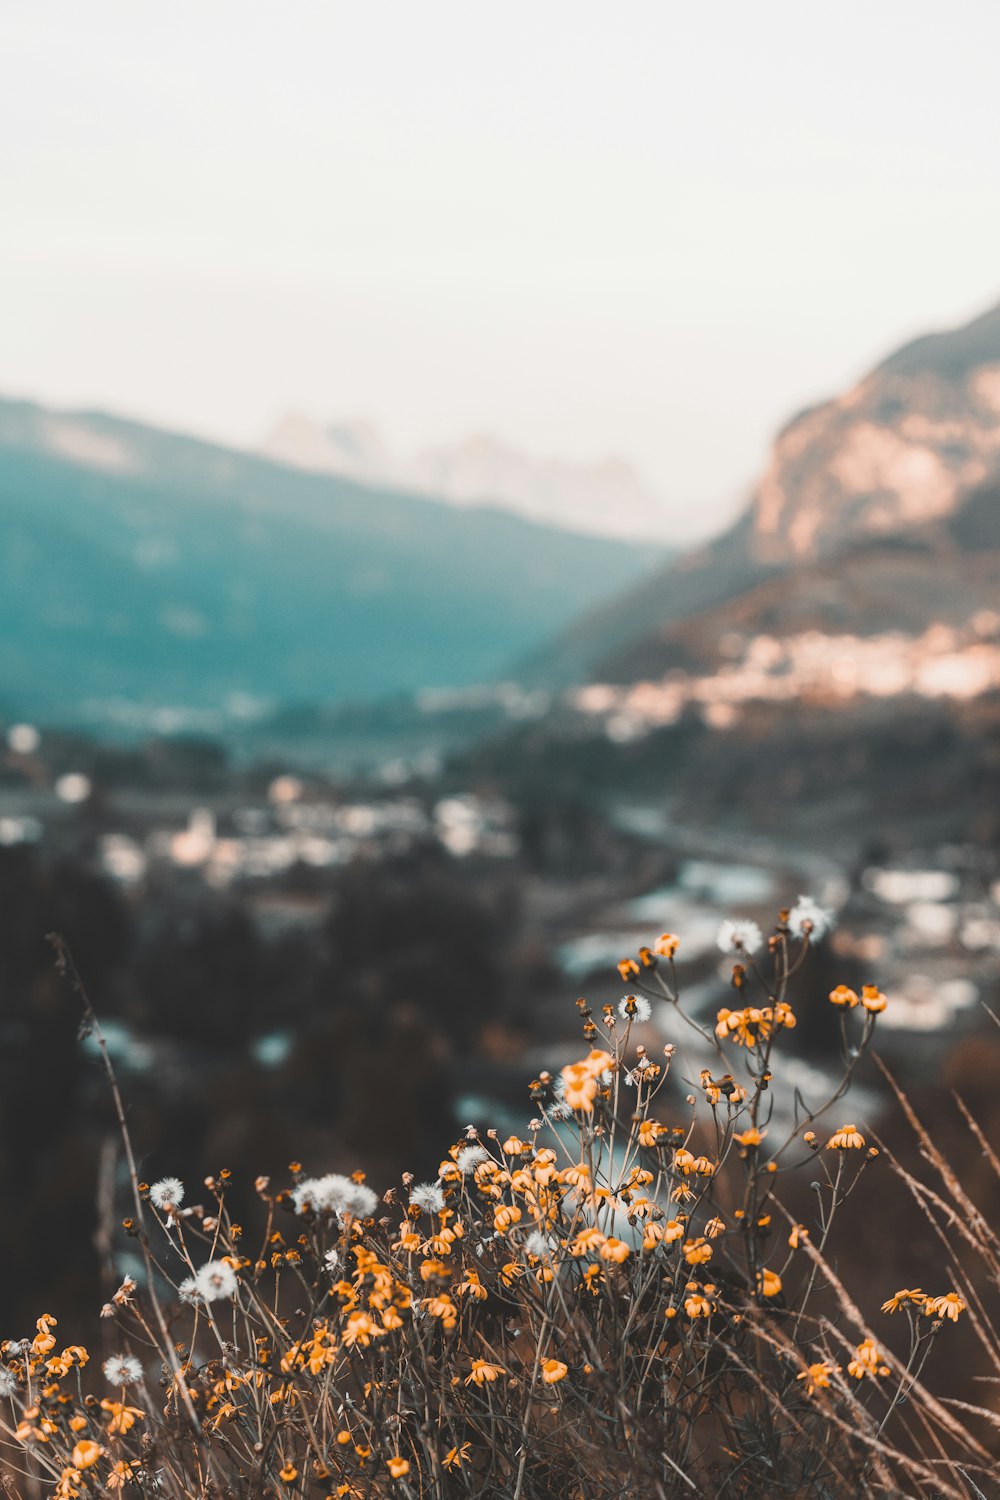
(334, 1194)
(740, 937)
(538, 1244)
(820, 919)
(634, 1008)
(167, 1193)
(216, 1280)
(428, 1197)
(122, 1369)
(470, 1157)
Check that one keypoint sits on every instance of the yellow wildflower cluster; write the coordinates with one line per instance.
(753, 1024)
(493, 1328)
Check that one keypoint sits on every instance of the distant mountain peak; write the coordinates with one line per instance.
(898, 449)
(605, 498)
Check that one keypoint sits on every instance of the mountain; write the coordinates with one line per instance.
(903, 450)
(914, 597)
(849, 698)
(140, 566)
(898, 449)
(607, 498)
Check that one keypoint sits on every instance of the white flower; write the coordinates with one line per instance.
(167, 1193)
(361, 1202)
(740, 937)
(428, 1197)
(122, 1369)
(538, 1244)
(216, 1280)
(334, 1194)
(469, 1158)
(187, 1291)
(641, 1010)
(559, 1110)
(8, 1381)
(821, 919)
(332, 1260)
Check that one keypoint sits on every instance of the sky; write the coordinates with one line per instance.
(649, 229)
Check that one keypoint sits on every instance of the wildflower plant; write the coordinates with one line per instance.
(618, 1303)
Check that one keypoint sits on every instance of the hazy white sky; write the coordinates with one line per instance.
(647, 227)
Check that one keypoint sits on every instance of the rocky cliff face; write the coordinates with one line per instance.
(878, 512)
(898, 450)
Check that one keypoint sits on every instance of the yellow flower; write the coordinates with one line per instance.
(506, 1215)
(666, 945)
(579, 1087)
(847, 1138)
(649, 1131)
(121, 1473)
(440, 1307)
(798, 1234)
(844, 996)
(751, 1137)
(662, 1233)
(553, 1370)
(615, 1250)
(482, 1372)
(872, 999)
(86, 1454)
(948, 1306)
(44, 1341)
(61, 1364)
(749, 1026)
(361, 1329)
(770, 1283)
(397, 1467)
(471, 1286)
(456, 1457)
(697, 1251)
(695, 1305)
(289, 1474)
(714, 1228)
(123, 1418)
(628, 969)
(586, 1241)
(901, 1298)
(867, 1361)
(817, 1376)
